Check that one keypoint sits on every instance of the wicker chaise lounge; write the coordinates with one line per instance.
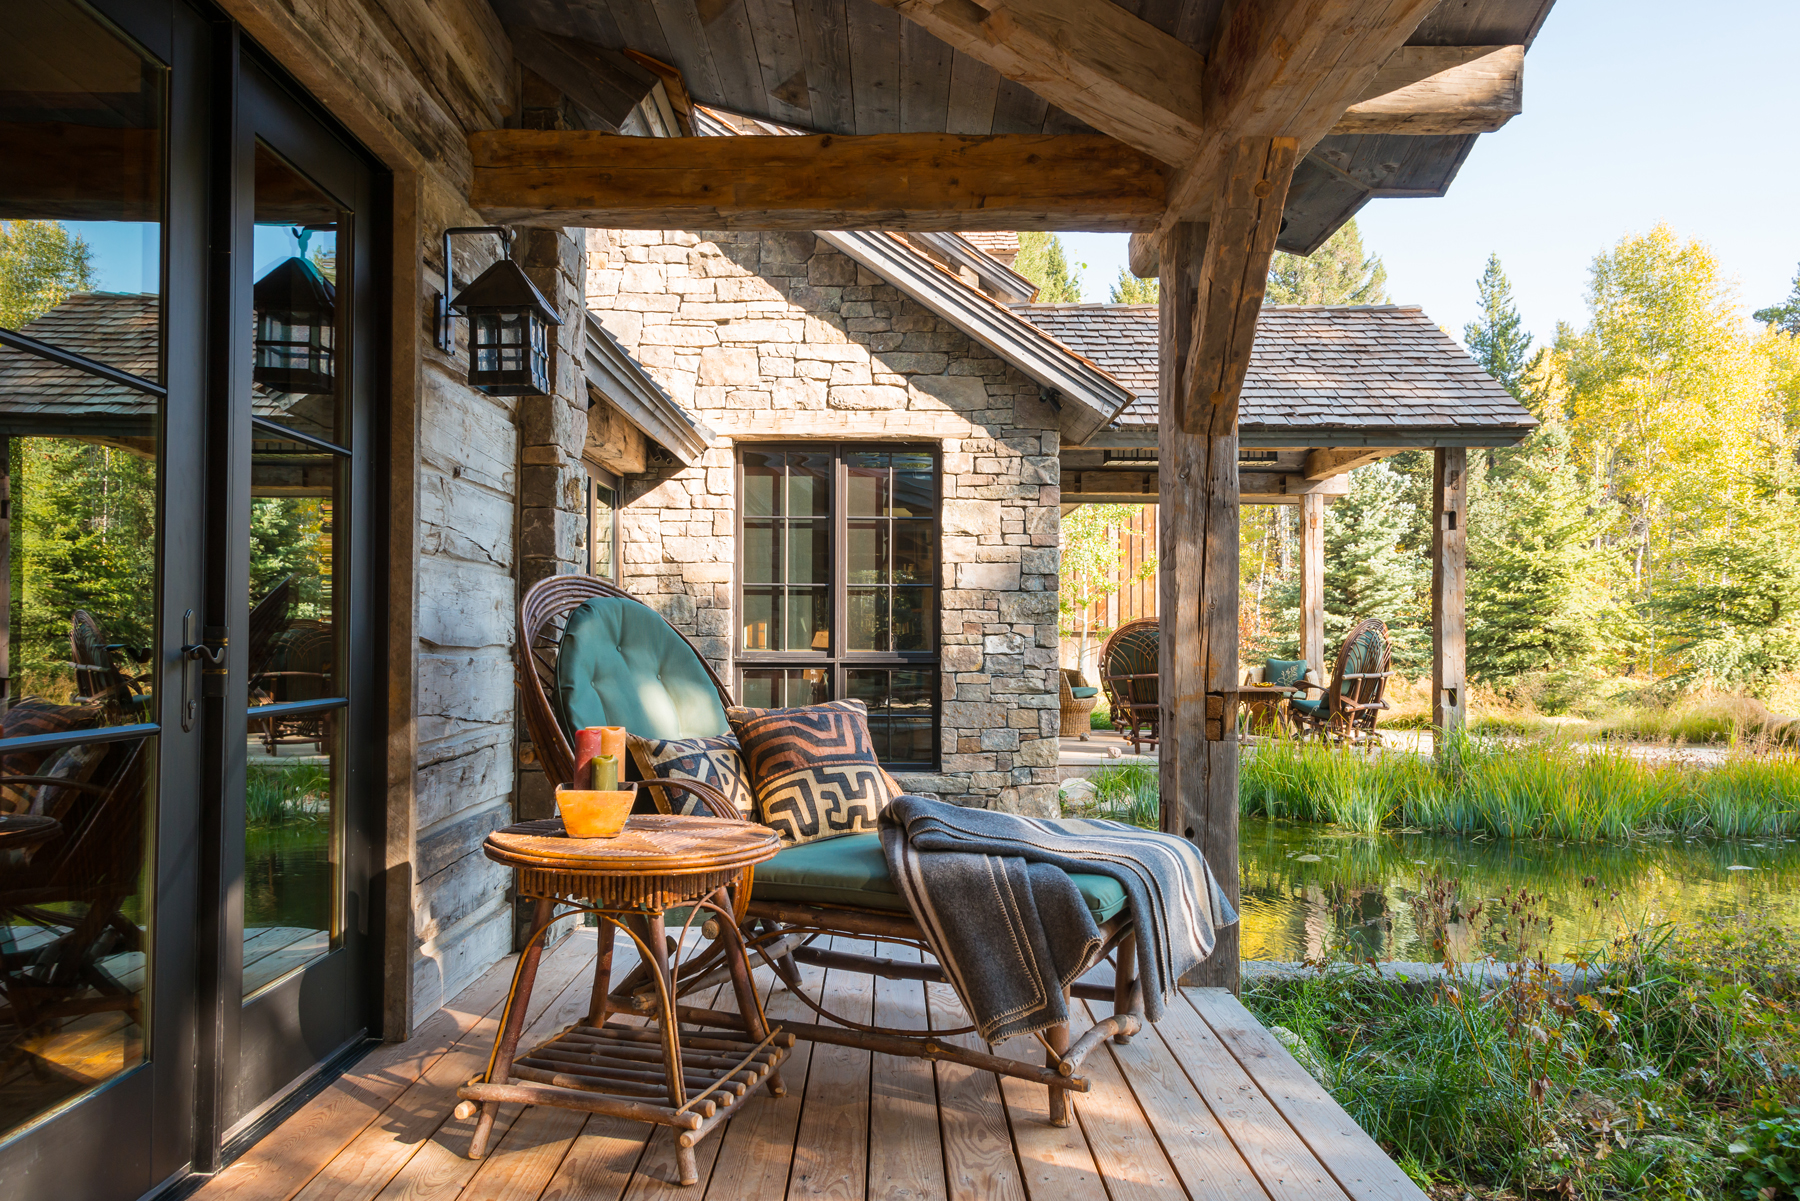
(840, 886)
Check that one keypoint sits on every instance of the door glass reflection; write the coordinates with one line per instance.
(293, 657)
(81, 203)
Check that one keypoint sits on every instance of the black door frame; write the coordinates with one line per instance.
(212, 1062)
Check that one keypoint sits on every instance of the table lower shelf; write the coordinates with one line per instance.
(620, 1071)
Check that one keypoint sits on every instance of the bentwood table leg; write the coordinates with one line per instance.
(516, 1004)
(668, 1019)
(741, 983)
(597, 1006)
(1057, 1040)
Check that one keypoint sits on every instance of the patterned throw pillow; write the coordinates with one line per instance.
(813, 769)
(714, 761)
(1284, 672)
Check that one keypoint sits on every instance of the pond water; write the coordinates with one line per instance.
(287, 876)
(1312, 890)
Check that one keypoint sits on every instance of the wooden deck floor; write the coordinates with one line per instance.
(1204, 1105)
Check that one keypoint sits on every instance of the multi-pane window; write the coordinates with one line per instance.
(603, 524)
(838, 579)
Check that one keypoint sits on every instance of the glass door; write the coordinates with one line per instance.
(298, 784)
(102, 252)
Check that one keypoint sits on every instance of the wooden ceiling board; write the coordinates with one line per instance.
(825, 42)
(925, 66)
(974, 86)
(775, 31)
(1018, 109)
(1482, 23)
(874, 66)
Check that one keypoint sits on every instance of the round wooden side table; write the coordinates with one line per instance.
(644, 1073)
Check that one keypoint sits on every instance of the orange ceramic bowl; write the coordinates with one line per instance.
(587, 813)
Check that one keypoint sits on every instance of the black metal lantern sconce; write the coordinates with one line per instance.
(509, 323)
(296, 327)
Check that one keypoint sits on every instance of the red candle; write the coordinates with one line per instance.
(589, 742)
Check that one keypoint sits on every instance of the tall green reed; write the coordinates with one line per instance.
(1482, 787)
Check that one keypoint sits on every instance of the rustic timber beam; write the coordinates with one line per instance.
(1286, 68)
(1323, 464)
(1449, 621)
(1246, 217)
(1110, 487)
(1441, 90)
(1090, 58)
(906, 181)
(1312, 583)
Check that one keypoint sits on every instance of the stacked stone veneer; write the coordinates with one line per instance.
(778, 337)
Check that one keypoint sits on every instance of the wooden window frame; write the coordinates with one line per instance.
(836, 659)
(600, 478)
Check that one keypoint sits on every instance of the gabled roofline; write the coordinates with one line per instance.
(622, 380)
(1331, 437)
(993, 273)
(1098, 397)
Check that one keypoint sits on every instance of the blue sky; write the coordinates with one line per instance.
(1635, 112)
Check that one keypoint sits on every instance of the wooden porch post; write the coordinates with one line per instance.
(1212, 289)
(1449, 553)
(1312, 582)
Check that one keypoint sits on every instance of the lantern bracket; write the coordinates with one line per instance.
(446, 314)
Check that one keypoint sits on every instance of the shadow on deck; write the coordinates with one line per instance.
(1204, 1105)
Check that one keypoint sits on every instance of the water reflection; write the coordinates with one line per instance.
(1310, 890)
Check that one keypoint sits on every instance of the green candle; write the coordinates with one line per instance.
(606, 773)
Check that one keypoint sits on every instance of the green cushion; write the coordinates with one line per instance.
(1083, 693)
(852, 870)
(1309, 707)
(1284, 671)
(621, 664)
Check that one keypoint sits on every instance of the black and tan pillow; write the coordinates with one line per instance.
(813, 769)
(714, 761)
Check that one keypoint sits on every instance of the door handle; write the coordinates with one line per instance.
(194, 653)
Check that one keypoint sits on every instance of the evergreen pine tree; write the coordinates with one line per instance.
(1129, 289)
(1498, 339)
(1041, 260)
(1786, 315)
(1536, 584)
(1335, 273)
(1367, 573)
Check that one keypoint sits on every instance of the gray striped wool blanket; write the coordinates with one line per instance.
(993, 894)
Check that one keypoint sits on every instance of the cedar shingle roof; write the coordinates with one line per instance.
(119, 329)
(1361, 368)
(1003, 246)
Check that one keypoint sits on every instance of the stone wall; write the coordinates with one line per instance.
(777, 336)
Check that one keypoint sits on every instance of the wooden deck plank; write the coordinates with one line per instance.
(1125, 1148)
(831, 1151)
(1055, 1162)
(906, 1153)
(756, 1148)
(1280, 1158)
(657, 1177)
(979, 1158)
(1354, 1159)
(440, 1167)
(432, 1162)
(372, 1160)
(1196, 1145)
(281, 1165)
(523, 1164)
(600, 1161)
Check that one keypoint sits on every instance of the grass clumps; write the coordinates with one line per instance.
(284, 794)
(1674, 1072)
(1514, 791)
(1127, 793)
